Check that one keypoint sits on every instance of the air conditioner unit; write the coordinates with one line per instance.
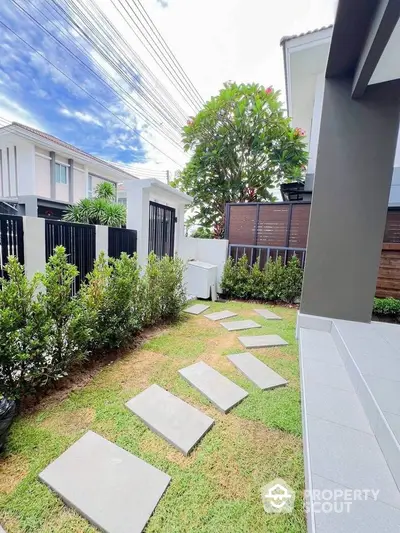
(201, 279)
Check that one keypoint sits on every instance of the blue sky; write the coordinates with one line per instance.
(214, 41)
(37, 94)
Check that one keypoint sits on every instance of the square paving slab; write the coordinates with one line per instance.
(269, 315)
(116, 491)
(221, 391)
(262, 341)
(220, 315)
(240, 324)
(256, 371)
(196, 309)
(170, 417)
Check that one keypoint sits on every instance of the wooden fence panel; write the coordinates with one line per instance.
(299, 225)
(388, 283)
(273, 225)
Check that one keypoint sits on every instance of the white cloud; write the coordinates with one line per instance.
(13, 112)
(83, 117)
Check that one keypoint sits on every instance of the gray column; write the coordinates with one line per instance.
(71, 181)
(53, 175)
(349, 205)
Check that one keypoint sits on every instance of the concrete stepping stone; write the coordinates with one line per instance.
(240, 324)
(256, 371)
(116, 491)
(221, 391)
(262, 341)
(196, 309)
(176, 421)
(220, 315)
(269, 315)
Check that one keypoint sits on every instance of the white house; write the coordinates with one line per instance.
(40, 175)
(305, 59)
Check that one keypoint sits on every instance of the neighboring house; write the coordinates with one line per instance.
(41, 175)
(305, 58)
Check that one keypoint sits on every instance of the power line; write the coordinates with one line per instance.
(169, 51)
(163, 63)
(86, 92)
(141, 112)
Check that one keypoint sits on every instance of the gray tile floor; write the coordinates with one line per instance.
(220, 315)
(256, 371)
(170, 417)
(236, 325)
(341, 445)
(220, 390)
(262, 341)
(115, 490)
(196, 309)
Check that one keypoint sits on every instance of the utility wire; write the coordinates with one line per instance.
(151, 24)
(85, 91)
(162, 62)
(141, 111)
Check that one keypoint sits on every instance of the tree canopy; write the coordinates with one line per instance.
(242, 147)
(101, 209)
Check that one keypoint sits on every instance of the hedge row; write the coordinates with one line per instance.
(275, 282)
(44, 330)
(387, 307)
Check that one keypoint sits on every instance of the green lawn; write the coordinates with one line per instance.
(214, 490)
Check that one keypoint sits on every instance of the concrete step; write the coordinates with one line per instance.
(371, 355)
(341, 451)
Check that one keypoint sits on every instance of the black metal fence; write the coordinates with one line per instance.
(161, 229)
(11, 240)
(264, 253)
(121, 240)
(79, 241)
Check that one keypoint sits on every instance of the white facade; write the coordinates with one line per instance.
(37, 165)
(305, 58)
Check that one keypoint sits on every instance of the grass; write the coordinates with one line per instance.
(217, 488)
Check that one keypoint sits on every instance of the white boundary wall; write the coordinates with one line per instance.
(212, 251)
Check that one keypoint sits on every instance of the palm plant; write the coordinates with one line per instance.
(101, 209)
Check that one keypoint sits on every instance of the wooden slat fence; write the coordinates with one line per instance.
(268, 230)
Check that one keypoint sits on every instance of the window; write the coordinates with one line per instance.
(61, 173)
(122, 201)
(90, 186)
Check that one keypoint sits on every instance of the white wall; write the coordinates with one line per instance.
(17, 166)
(42, 173)
(213, 251)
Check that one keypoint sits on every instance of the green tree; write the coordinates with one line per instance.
(101, 209)
(242, 146)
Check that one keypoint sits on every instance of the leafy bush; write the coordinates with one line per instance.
(292, 280)
(68, 332)
(44, 329)
(162, 289)
(24, 331)
(274, 274)
(276, 282)
(387, 307)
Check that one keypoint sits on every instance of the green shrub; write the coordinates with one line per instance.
(68, 331)
(110, 300)
(276, 282)
(257, 282)
(24, 331)
(44, 329)
(173, 295)
(228, 281)
(292, 281)
(162, 289)
(274, 274)
(387, 307)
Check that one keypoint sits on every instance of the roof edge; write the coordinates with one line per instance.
(286, 38)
